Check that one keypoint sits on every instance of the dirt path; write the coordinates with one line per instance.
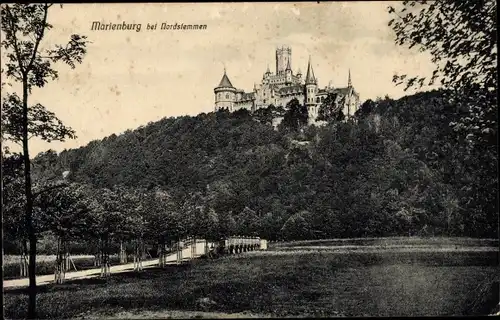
(173, 314)
(91, 273)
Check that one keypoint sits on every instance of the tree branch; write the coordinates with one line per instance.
(14, 39)
(57, 186)
(39, 39)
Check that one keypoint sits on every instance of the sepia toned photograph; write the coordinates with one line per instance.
(249, 160)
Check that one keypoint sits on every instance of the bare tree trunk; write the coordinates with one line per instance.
(24, 259)
(60, 261)
(136, 261)
(142, 252)
(29, 206)
(67, 259)
(193, 248)
(135, 255)
(165, 253)
(104, 259)
(179, 251)
(162, 254)
(123, 253)
(138, 253)
(97, 255)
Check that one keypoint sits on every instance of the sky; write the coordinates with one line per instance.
(130, 78)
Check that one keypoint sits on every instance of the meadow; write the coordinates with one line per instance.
(45, 264)
(277, 283)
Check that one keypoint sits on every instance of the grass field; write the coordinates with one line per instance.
(435, 242)
(283, 283)
(45, 264)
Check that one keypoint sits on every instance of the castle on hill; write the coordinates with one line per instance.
(281, 87)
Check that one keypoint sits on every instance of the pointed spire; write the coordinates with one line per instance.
(310, 79)
(288, 66)
(224, 82)
(349, 83)
(268, 71)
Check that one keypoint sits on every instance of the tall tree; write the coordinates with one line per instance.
(24, 27)
(66, 214)
(264, 115)
(12, 206)
(330, 110)
(461, 36)
(296, 115)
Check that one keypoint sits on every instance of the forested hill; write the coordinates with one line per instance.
(398, 169)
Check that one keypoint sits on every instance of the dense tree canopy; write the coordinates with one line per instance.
(398, 169)
(461, 37)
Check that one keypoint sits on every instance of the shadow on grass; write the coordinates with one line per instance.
(124, 277)
(434, 241)
(312, 284)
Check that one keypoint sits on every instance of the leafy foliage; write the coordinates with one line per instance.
(42, 123)
(461, 37)
(398, 169)
(23, 28)
(296, 116)
(329, 111)
(65, 212)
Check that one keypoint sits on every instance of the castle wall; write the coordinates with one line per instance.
(271, 92)
(351, 105)
(276, 122)
(285, 100)
(283, 55)
(244, 105)
(225, 100)
(313, 111)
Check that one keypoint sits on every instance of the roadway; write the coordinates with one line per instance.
(93, 273)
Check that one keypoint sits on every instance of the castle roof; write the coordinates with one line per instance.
(291, 89)
(342, 90)
(247, 96)
(310, 79)
(224, 82)
(345, 91)
(273, 87)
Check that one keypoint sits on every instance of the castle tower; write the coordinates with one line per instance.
(351, 99)
(311, 87)
(266, 76)
(288, 73)
(349, 83)
(283, 57)
(225, 94)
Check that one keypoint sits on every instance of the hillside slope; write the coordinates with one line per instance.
(397, 170)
